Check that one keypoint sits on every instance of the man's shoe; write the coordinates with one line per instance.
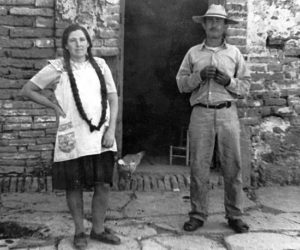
(238, 225)
(80, 241)
(192, 224)
(106, 237)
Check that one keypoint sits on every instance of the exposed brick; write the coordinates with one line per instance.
(5, 42)
(44, 119)
(31, 11)
(39, 64)
(47, 155)
(105, 51)
(18, 126)
(23, 149)
(16, 21)
(254, 103)
(276, 76)
(262, 59)
(20, 112)
(112, 9)
(17, 2)
(236, 7)
(258, 68)
(293, 91)
(259, 76)
(44, 125)
(241, 103)
(10, 104)
(18, 119)
(4, 31)
(17, 63)
(45, 140)
(250, 121)
(236, 32)
(4, 72)
(8, 93)
(275, 102)
(20, 74)
(111, 42)
(12, 162)
(41, 147)
(32, 133)
(271, 94)
(256, 86)
(44, 43)
(107, 33)
(3, 11)
(31, 32)
(51, 131)
(265, 111)
(275, 67)
(28, 155)
(97, 42)
(253, 112)
(8, 149)
(295, 121)
(33, 53)
(44, 3)
(42, 22)
(9, 136)
(21, 142)
(237, 40)
(292, 52)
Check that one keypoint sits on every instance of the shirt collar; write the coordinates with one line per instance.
(223, 45)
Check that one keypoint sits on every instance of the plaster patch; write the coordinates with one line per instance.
(269, 123)
(279, 17)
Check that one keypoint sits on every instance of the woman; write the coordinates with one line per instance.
(86, 109)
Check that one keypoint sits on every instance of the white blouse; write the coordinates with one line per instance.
(73, 138)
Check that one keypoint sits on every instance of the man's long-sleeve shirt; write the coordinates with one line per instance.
(227, 59)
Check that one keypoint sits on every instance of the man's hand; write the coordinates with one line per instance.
(222, 78)
(208, 72)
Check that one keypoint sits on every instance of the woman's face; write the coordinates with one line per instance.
(77, 45)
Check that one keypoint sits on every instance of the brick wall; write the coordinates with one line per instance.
(30, 32)
(268, 36)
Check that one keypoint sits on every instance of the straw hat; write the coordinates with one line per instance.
(215, 10)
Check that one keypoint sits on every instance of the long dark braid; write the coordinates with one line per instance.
(103, 89)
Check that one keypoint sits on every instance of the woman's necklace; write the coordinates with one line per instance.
(103, 93)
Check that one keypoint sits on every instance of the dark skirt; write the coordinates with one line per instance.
(83, 172)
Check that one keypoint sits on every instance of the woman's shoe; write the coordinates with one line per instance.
(80, 241)
(192, 224)
(107, 237)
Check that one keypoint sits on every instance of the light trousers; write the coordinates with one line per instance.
(221, 128)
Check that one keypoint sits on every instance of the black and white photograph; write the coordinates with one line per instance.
(150, 124)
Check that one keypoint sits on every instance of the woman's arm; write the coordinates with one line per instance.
(31, 91)
(109, 136)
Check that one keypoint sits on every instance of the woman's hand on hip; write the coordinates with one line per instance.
(58, 112)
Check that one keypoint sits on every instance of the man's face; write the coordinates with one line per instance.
(214, 27)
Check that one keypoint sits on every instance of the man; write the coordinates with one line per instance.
(215, 74)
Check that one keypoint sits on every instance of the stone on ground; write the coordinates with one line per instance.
(262, 241)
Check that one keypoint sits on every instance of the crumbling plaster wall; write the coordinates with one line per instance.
(273, 51)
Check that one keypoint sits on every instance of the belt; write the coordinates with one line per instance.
(218, 106)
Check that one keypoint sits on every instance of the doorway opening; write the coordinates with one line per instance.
(158, 33)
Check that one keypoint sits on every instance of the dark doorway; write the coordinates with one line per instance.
(158, 33)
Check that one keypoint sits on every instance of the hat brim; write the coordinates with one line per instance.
(200, 19)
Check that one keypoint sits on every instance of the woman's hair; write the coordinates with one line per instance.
(66, 56)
